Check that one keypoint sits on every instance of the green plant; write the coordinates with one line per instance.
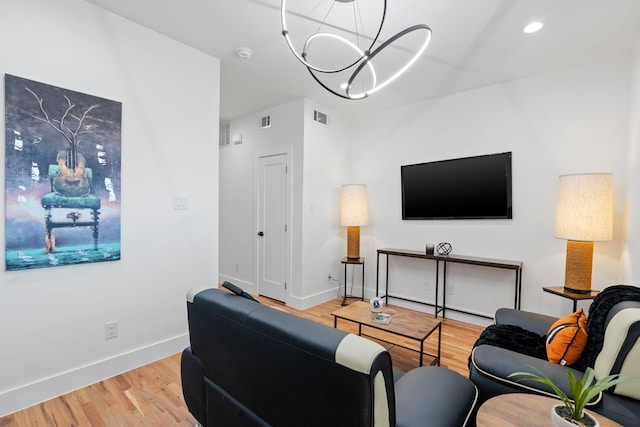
(582, 390)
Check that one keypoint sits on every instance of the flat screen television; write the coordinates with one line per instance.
(467, 188)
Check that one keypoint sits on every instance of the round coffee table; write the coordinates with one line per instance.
(514, 409)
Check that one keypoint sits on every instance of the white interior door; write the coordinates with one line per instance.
(272, 226)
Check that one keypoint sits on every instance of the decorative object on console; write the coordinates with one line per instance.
(429, 249)
(332, 24)
(584, 215)
(353, 215)
(444, 248)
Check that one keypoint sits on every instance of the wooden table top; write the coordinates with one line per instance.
(518, 409)
(405, 322)
(561, 291)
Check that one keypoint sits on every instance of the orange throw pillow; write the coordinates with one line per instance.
(567, 338)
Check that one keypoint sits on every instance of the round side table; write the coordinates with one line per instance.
(518, 409)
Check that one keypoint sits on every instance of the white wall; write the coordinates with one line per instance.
(238, 192)
(632, 211)
(52, 320)
(316, 173)
(569, 121)
(326, 169)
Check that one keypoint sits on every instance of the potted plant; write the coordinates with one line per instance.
(571, 412)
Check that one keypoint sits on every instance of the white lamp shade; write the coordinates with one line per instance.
(585, 207)
(353, 205)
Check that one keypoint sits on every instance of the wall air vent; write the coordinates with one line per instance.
(265, 122)
(319, 117)
(225, 134)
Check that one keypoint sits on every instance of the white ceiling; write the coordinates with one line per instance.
(475, 43)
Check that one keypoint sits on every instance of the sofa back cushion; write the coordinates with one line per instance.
(285, 369)
(620, 352)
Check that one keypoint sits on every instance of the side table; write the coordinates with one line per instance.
(520, 409)
(352, 261)
(574, 296)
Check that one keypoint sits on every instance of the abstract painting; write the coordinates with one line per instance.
(62, 180)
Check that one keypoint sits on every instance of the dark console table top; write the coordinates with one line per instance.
(462, 259)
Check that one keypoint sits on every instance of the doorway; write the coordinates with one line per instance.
(273, 203)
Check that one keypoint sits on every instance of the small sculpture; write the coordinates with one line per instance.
(443, 248)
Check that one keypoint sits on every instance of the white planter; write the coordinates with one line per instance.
(558, 421)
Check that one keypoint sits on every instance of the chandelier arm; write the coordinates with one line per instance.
(355, 21)
(358, 50)
(302, 57)
(379, 49)
(312, 37)
(321, 24)
(311, 71)
(346, 96)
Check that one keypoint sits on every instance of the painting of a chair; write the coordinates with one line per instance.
(55, 200)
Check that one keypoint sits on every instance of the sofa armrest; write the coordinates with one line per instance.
(534, 322)
(498, 363)
(434, 396)
(193, 389)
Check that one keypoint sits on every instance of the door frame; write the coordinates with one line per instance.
(288, 267)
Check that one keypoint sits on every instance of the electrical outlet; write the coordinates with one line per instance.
(111, 330)
(329, 277)
(450, 290)
(427, 286)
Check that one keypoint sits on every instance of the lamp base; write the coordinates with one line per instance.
(577, 274)
(353, 242)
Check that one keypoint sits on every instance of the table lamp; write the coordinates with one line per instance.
(584, 215)
(353, 214)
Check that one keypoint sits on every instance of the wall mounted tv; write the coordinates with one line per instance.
(467, 188)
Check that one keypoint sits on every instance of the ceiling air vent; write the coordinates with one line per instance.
(265, 122)
(320, 117)
(225, 134)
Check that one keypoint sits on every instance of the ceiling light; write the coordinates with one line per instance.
(330, 41)
(533, 27)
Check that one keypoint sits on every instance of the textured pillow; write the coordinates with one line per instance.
(567, 338)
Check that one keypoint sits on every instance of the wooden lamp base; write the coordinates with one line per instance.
(353, 242)
(577, 274)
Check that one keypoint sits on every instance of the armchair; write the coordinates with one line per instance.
(613, 347)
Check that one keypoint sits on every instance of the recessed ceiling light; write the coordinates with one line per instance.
(533, 27)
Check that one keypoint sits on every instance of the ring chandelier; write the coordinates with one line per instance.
(355, 77)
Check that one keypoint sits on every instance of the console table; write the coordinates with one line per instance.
(516, 266)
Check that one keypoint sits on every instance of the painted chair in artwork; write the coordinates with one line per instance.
(70, 194)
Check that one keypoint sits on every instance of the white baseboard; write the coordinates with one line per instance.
(42, 390)
(311, 300)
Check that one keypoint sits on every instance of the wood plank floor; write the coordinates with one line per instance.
(152, 395)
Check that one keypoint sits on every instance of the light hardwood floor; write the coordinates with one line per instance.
(152, 395)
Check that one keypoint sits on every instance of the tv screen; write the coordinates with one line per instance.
(467, 188)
